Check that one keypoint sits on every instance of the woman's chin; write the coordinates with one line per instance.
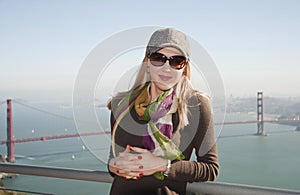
(164, 87)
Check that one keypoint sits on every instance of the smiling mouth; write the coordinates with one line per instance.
(164, 78)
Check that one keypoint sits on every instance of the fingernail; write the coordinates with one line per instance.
(118, 171)
(141, 175)
(138, 178)
(129, 146)
(125, 177)
(140, 157)
(141, 167)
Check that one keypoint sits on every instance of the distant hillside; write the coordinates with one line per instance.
(277, 106)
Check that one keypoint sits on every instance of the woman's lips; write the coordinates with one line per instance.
(164, 78)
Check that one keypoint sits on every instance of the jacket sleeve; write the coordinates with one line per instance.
(204, 144)
(113, 105)
(110, 151)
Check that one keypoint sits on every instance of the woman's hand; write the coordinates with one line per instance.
(151, 163)
(138, 164)
(123, 164)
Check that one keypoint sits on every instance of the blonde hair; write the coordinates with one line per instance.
(184, 87)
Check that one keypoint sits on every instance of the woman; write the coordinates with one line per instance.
(159, 122)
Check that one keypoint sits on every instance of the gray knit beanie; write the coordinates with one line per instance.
(168, 37)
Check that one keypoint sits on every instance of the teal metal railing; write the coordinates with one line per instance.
(217, 188)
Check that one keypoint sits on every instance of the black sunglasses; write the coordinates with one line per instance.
(176, 62)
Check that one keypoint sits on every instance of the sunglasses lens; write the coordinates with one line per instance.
(177, 62)
(157, 59)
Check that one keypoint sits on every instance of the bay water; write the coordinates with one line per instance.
(245, 158)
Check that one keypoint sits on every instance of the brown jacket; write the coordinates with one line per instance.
(198, 135)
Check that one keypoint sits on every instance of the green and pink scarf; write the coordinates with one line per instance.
(158, 115)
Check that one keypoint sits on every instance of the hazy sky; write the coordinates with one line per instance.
(255, 44)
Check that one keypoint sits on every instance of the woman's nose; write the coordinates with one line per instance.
(167, 66)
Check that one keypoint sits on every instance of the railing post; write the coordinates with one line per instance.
(10, 133)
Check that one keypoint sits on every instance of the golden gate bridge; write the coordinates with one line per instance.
(10, 141)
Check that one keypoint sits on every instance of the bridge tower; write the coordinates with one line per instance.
(260, 114)
(10, 134)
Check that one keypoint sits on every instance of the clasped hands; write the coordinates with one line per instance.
(136, 162)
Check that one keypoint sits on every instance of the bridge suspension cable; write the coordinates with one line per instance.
(43, 111)
(3, 102)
